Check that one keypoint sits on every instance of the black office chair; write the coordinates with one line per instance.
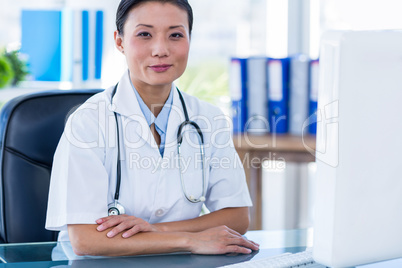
(30, 128)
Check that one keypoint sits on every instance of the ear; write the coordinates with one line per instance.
(118, 40)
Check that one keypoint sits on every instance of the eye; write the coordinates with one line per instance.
(177, 35)
(144, 34)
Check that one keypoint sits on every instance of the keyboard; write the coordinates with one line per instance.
(302, 259)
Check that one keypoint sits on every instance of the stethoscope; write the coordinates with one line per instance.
(115, 208)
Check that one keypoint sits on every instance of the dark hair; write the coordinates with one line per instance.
(126, 6)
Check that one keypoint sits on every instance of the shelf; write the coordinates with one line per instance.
(253, 150)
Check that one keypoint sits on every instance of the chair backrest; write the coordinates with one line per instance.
(30, 128)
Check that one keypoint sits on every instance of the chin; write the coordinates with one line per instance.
(161, 82)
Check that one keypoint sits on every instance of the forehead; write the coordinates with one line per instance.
(157, 14)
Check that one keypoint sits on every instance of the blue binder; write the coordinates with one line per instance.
(238, 92)
(67, 36)
(45, 36)
(85, 45)
(98, 44)
(52, 38)
(92, 44)
(278, 94)
(313, 96)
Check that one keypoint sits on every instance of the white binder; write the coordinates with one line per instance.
(298, 94)
(257, 91)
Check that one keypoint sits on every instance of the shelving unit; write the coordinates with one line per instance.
(253, 150)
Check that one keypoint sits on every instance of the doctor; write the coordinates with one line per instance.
(119, 154)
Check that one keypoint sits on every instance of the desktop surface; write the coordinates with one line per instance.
(272, 243)
(177, 260)
(49, 254)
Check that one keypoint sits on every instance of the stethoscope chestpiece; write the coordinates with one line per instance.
(115, 208)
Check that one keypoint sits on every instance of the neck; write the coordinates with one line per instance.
(154, 96)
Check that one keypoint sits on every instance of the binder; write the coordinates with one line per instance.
(92, 36)
(63, 45)
(85, 45)
(298, 94)
(98, 44)
(278, 94)
(257, 107)
(45, 36)
(238, 93)
(78, 48)
(314, 76)
(67, 36)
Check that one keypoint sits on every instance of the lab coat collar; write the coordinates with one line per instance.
(125, 103)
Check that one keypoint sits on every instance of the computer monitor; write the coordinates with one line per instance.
(358, 200)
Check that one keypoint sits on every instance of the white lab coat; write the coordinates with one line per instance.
(83, 180)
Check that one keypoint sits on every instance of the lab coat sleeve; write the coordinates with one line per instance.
(227, 185)
(79, 180)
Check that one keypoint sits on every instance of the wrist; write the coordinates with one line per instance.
(161, 227)
(188, 242)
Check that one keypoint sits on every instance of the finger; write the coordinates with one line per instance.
(245, 243)
(237, 249)
(238, 235)
(235, 240)
(135, 230)
(234, 232)
(245, 239)
(104, 219)
(114, 221)
(123, 226)
(256, 246)
(141, 226)
(254, 243)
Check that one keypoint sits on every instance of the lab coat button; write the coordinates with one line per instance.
(159, 212)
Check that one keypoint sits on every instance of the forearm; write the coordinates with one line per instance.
(234, 218)
(86, 240)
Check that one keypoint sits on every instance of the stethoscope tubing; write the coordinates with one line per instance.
(179, 143)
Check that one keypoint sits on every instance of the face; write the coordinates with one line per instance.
(156, 43)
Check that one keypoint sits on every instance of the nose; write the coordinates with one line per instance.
(160, 47)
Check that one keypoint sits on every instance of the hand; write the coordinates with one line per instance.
(221, 240)
(130, 225)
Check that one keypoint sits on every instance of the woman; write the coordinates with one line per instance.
(131, 129)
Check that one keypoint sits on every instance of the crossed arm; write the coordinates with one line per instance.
(216, 233)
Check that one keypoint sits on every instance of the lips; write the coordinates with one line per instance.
(160, 68)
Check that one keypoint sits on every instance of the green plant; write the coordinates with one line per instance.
(19, 67)
(6, 71)
(208, 81)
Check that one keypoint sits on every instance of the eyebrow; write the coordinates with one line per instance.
(150, 26)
